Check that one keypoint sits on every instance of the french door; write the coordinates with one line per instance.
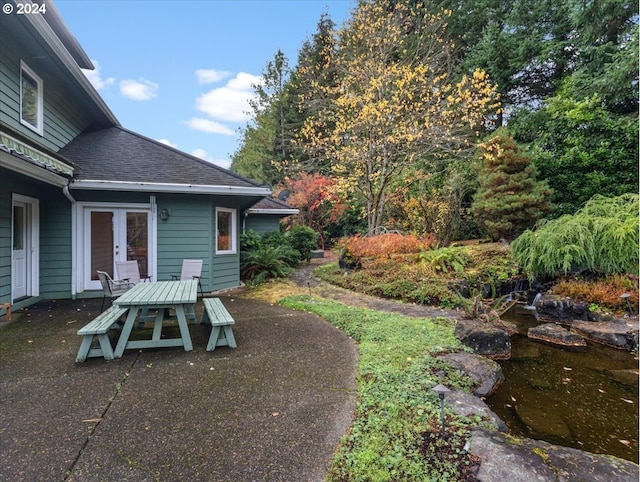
(115, 234)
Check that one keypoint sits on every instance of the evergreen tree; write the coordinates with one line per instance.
(312, 84)
(509, 199)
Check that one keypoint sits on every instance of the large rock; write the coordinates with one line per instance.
(562, 309)
(486, 373)
(513, 459)
(465, 404)
(617, 333)
(555, 334)
(484, 338)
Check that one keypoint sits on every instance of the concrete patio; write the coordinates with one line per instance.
(273, 409)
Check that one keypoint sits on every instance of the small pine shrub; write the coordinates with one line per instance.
(602, 237)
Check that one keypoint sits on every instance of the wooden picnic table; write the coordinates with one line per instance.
(160, 296)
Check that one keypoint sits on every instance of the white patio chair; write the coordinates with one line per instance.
(129, 270)
(112, 288)
(191, 269)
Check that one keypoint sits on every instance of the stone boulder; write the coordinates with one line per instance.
(514, 459)
(562, 309)
(484, 338)
(555, 334)
(465, 404)
(486, 373)
(617, 333)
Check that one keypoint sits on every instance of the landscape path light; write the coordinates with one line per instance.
(441, 390)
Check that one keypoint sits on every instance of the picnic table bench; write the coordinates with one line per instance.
(99, 328)
(215, 314)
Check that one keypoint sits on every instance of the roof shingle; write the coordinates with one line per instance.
(118, 154)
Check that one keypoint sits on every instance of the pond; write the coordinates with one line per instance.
(586, 398)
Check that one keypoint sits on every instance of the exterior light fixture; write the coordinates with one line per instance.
(441, 390)
(164, 214)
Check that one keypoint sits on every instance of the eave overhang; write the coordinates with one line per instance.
(168, 188)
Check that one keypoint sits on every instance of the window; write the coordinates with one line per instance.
(30, 99)
(225, 231)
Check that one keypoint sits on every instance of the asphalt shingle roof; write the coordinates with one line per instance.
(118, 154)
(271, 203)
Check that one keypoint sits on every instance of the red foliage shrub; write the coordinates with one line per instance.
(385, 245)
(605, 292)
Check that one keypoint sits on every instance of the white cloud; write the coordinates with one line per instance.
(168, 143)
(210, 76)
(209, 126)
(95, 77)
(231, 102)
(139, 90)
(202, 154)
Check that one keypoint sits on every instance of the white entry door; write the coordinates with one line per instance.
(115, 234)
(24, 247)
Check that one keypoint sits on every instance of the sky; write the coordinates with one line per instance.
(181, 71)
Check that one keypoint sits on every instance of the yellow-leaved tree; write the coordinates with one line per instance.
(395, 101)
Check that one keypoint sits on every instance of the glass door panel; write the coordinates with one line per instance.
(102, 243)
(138, 240)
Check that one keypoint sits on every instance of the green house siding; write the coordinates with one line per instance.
(189, 233)
(262, 223)
(55, 245)
(54, 235)
(62, 120)
(185, 235)
(5, 236)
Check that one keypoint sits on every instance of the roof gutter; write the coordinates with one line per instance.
(273, 211)
(169, 188)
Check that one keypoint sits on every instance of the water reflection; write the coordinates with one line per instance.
(586, 398)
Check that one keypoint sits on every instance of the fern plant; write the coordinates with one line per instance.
(265, 262)
(446, 259)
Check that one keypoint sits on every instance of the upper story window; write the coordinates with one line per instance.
(225, 231)
(30, 99)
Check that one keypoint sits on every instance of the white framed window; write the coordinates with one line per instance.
(31, 105)
(226, 220)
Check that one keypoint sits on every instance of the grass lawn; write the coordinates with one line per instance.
(396, 431)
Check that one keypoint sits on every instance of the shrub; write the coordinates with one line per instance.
(303, 239)
(602, 237)
(385, 245)
(605, 292)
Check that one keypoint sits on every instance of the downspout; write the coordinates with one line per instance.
(74, 275)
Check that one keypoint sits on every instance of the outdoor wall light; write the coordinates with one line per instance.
(441, 390)
(164, 214)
